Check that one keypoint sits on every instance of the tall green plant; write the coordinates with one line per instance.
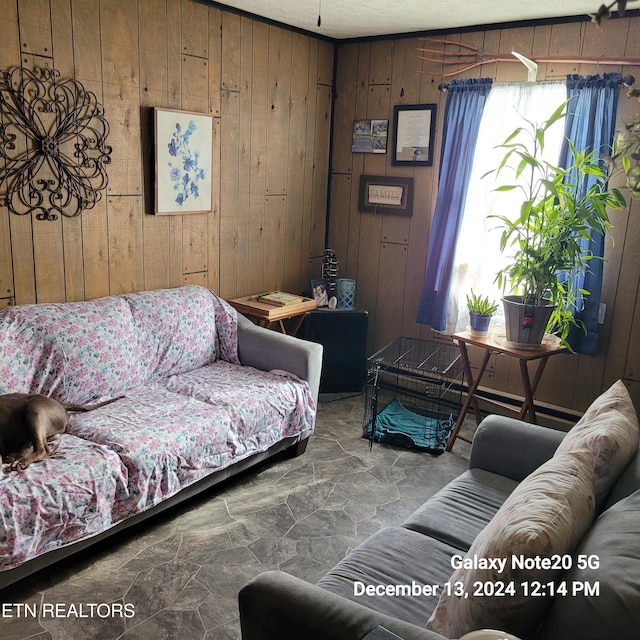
(558, 212)
(627, 150)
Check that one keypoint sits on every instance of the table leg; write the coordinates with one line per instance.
(473, 386)
(297, 323)
(530, 388)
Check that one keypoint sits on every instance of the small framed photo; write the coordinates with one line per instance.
(320, 290)
(386, 194)
(413, 134)
(369, 136)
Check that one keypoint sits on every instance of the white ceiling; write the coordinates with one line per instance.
(360, 18)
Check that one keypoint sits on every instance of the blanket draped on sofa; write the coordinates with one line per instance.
(189, 409)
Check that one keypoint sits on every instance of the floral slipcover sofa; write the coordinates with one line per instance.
(206, 394)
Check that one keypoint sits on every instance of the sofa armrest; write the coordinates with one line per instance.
(512, 448)
(278, 606)
(266, 350)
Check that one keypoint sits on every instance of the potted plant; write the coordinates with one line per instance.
(557, 213)
(628, 150)
(480, 311)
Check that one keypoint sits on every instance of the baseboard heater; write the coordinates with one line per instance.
(513, 402)
(510, 402)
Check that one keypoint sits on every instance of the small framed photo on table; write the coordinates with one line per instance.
(320, 290)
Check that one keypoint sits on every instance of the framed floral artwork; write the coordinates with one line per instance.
(183, 161)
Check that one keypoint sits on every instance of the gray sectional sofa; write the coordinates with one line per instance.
(539, 538)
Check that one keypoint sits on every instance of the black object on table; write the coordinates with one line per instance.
(343, 334)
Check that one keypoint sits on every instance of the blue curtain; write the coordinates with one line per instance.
(590, 125)
(463, 112)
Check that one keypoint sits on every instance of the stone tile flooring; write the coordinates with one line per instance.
(180, 573)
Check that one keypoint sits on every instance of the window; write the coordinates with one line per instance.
(477, 255)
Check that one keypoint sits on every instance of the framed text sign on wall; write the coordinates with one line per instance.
(413, 134)
(183, 161)
(386, 194)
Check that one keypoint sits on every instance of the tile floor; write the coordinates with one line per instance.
(180, 573)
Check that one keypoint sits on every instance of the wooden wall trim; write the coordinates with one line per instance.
(387, 255)
(269, 91)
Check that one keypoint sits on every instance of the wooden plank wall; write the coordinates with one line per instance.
(270, 93)
(387, 254)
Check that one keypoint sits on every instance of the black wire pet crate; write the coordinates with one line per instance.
(413, 394)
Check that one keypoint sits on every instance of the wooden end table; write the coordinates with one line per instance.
(270, 316)
(498, 344)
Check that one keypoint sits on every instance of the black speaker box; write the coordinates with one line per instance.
(343, 334)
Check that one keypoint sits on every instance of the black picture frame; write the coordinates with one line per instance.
(414, 127)
(386, 194)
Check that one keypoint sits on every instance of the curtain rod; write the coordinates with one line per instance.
(626, 81)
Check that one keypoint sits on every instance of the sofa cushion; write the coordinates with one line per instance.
(628, 482)
(262, 406)
(64, 498)
(460, 510)
(165, 440)
(28, 361)
(546, 514)
(392, 558)
(609, 428)
(177, 328)
(79, 351)
(613, 567)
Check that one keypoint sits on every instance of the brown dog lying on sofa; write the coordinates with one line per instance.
(27, 421)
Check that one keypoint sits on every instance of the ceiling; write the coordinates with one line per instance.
(341, 19)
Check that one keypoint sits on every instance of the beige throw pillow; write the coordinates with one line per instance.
(609, 429)
(530, 537)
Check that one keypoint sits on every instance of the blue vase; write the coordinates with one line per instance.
(346, 291)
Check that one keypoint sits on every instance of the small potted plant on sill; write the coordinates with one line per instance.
(556, 215)
(480, 311)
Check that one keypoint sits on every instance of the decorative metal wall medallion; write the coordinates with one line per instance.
(52, 144)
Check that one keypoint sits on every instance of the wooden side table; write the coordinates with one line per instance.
(270, 316)
(496, 344)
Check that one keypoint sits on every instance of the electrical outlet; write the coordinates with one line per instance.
(602, 310)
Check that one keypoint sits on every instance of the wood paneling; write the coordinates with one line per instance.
(269, 91)
(387, 254)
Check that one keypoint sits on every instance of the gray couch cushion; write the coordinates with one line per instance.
(394, 556)
(459, 511)
(612, 613)
(627, 482)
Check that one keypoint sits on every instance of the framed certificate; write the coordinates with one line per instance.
(414, 130)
